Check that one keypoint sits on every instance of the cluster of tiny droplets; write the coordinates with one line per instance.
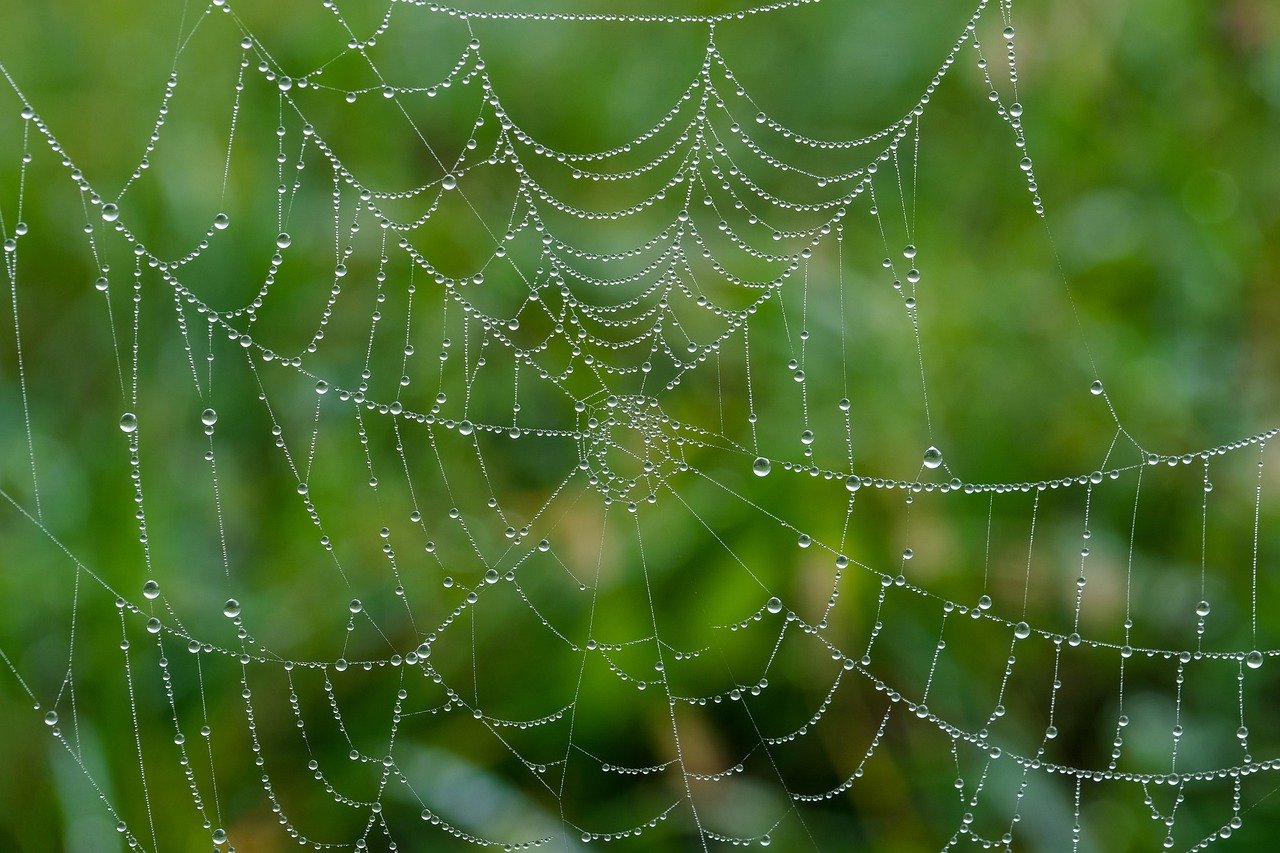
(628, 449)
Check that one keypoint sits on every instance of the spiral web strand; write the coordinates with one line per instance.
(512, 609)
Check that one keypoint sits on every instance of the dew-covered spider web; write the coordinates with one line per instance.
(391, 463)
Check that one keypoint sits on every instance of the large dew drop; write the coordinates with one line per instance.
(231, 609)
(110, 213)
(774, 605)
(761, 466)
(128, 422)
(932, 457)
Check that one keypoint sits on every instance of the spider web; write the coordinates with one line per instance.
(468, 488)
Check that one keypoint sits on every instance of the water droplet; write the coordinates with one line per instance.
(1254, 660)
(450, 182)
(219, 836)
(1008, 32)
(1202, 609)
(853, 483)
(128, 422)
(806, 437)
(932, 457)
(774, 605)
(102, 284)
(909, 252)
(208, 417)
(1022, 630)
(466, 428)
(491, 576)
(221, 221)
(51, 718)
(283, 240)
(355, 606)
(151, 590)
(322, 387)
(984, 603)
(231, 609)
(761, 118)
(1096, 388)
(110, 213)
(761, 466)
(153, 625)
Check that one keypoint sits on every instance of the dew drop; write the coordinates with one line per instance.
(1202, 609)
(51, 718)
(110, 213)
(219, 836)
(1096, 388)
(355, 606)
(1022, 630)
(1254, 660)
(761, 466)
(283, 240)
(932, 457)
(231, 609)
(984, 603)
(151, 590)
(128, 422)
(806, 437)
(853, 483)
(221, 221)
(774, 605)
(208, 417)
(450, 182)
(466, 428)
